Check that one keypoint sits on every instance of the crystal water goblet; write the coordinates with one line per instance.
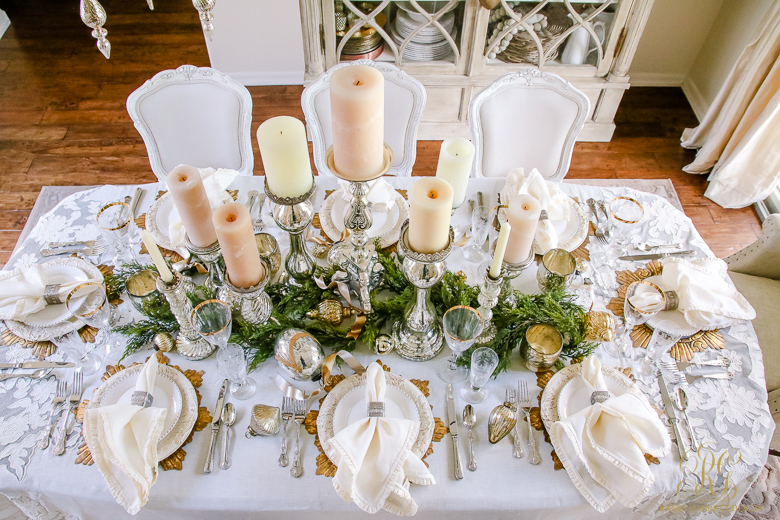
(666, 334)
(474, 251)
(88, 303)
(484, 361)
(231, 363)
(83, 354)
(462, 326)
(117, 225)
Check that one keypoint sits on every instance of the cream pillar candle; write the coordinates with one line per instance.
(455, 159)
(523, 216)
(189, 197)
(237, 242)
(157, 257)
(285, 154)
(498, 254)
(430, 207)
(357, 107)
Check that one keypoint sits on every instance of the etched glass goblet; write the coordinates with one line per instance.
(88, 303)
(474, 251)
(81, 353)
(484, 361)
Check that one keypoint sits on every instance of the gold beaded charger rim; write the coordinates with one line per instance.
(684, 349)
(324, 464)
(175, 460)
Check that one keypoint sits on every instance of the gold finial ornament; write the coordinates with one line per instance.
(330, 311)
(94, 16)
(164, 342)
(205, 8)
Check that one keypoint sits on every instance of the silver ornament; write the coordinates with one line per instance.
(384, 344)
(299, 354)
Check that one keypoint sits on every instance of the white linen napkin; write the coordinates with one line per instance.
(215, 182)
(647, 299)
(21, 291)
(375, 460)
(381, 194)
(552, 200)
(708, 300)
(602, 446)
(123, 441)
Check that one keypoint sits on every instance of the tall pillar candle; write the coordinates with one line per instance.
(285, 154)
(523, 216)
(357, 106)
(192, 203)
(455, 160)
(237, 242)
(430, 207)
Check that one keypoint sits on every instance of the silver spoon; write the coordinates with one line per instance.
(683, 406)
(38, 374)
(644, 246)
(469, 420)
(228, 419)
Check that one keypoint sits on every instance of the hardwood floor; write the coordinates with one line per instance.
(63, 119)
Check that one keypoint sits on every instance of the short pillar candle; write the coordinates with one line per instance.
(237, 242)
(430, 209)
(523, 215)
(285, 154)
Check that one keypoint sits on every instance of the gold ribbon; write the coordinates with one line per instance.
(290, 360)
(339, 281)
(357, 327)
(327, 367)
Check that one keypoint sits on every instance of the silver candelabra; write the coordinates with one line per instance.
(293, 215)
(209, 255)
(188, 343)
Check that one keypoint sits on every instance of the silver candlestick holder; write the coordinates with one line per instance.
(419, 336)
(188, 343)
(510, 271)
(488, 298)
(357, 257)
(293, 215)
(209, 255)
(252, 303)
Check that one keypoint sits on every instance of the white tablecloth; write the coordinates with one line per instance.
(727, 415)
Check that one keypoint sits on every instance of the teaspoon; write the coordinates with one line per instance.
(683, 406)
(38, 374)
(228, 419)
(469, 420)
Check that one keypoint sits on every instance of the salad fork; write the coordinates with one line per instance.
(603, 208)
(299, 407)
(59, 398)
(599, 233)
(682, 366)
(287, 414)
(524, 403)
(517, 447)
(685, 377)
(73, 400)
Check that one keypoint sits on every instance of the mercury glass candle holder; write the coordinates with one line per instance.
(489, 292)
(252, 303)
(293, 215)
(209, 255)
(357, 257)
(188, 343)
(510, 271)
(419, 336)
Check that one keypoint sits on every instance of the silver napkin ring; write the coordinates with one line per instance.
(376, 409)
(599, 396)
(143, 399)
(672, 300)
(51, 294)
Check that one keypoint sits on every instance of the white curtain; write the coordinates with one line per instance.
(739, 137)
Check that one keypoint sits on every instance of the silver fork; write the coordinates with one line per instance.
(88, 248)
(517, 446)
(299, 406)
(599, 233)
(682, 366)
(287, 414)
(603, 208)
(59, 398)
(682, 377)
(524, 403)
(73, 400)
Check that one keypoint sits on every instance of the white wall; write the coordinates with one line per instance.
(673, 36)
(258, 42)
(733, 29)
(5, 23)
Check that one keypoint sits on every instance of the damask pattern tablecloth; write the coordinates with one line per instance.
(730, 417)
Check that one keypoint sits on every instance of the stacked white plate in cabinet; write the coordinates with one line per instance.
(429, 43)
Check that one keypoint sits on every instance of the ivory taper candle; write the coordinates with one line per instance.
(285, 154)
(455, 159)
(523, 216)
(157, 257)
(237, 242)
(357, 107)
(192, 203)
(498, 255)
(430, 207)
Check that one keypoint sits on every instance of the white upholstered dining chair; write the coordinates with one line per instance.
(194, 115)
(404, 103)
(526, 119)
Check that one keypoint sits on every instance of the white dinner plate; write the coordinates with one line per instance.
(346, 404)
(385, 225)
(681, 327)
(157, 220)
(119, 387)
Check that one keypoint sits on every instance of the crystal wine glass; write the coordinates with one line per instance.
(88, 302)
(80, 352)
(484, 361)
(473, 251)
(116, 223)
(462, 326)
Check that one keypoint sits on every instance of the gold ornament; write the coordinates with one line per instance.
(599, 326)
(330, 311)
(164, 342)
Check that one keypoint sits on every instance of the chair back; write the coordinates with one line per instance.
(194, 115)
(527, 119)
(404, 104)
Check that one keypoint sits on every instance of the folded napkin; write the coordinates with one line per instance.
(647, 299)
(123, 441)
(21, 291)
(375, 460)
(602, 446)
(552, 200)
(380, 194)
(215, 182)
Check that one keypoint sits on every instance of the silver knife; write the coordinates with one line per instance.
(656, 256)
(136, 199)
(670, 411)
(452, 417)
(215, 426)
(38, 364)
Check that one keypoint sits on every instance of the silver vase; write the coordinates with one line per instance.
(293, 215)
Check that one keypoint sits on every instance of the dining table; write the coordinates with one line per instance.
(730, 417)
